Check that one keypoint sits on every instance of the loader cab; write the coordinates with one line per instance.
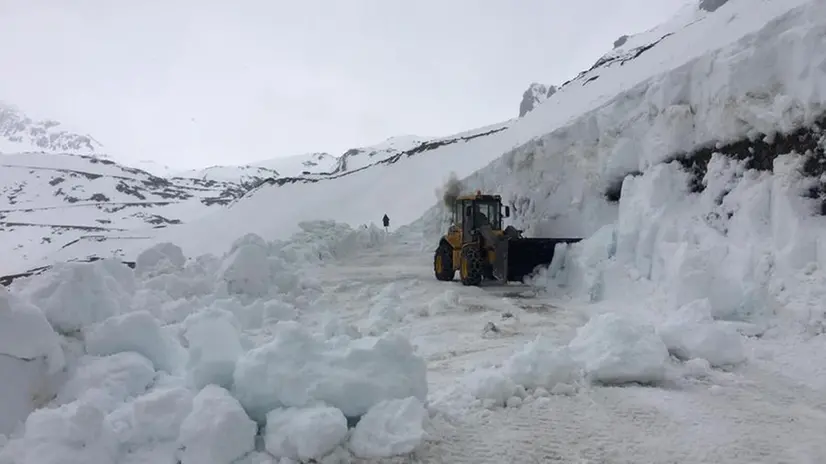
(474, 211)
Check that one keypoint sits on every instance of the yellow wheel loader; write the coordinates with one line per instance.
(478, 247)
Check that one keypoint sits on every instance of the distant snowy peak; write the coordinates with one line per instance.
(625, 49)
(245, 176)
(20, 133)
(52, 201)
(711, 5)
(297, 165)
(324, 164)
(357, 158)
(536, 94)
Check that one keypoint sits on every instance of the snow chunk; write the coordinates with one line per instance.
(542, 364)
(389, 428)
(616, 349)
(154, 417)
(75, 295)
(335, 327)
(112, 378)
(160, 259)
(491, 384)
(246, 270)
(212, 313)
(75, 433)
(297, 370)
(139, 332)
(259, 313)
(31, 360)
(26, 386)
(275, 310)
(214, 347)
(692, 333)
(249, 239)
(26, 334)
(697, 368)
(386, 308)
(308, 433)
(217, 431)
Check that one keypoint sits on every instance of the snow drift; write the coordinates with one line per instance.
(165, 360)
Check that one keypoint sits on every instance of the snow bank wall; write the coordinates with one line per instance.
(751, 224)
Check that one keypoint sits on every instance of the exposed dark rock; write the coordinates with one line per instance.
(711, 5)
(123, 187)
(612, 193)
(61, 226)
(760, 152)
(534, 95)
(8, 279)
(621, 59)
(158, 219)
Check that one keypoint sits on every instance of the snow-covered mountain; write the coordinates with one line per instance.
(533, 96)
(58, 190)
(20, 133)
(358, 158)
(298, 165)
(309, 165)
(247, 176)
(50, 201)
(686, 327)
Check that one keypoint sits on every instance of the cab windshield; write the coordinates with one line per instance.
(488, 212)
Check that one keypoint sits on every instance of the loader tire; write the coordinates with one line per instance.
(443, 263)
(472, 268)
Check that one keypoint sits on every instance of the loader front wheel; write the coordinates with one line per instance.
(443, 262)
(471, 270)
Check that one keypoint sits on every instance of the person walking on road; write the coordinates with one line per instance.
(386, 221)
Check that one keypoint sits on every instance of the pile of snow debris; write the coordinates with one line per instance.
(611, 349)
(748, 243)
(199, 361)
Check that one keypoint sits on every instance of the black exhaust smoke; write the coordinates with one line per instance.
(451, 190)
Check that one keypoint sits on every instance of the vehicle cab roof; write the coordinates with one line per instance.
(478, 196)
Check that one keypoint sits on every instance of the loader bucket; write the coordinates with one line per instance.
(525, 254)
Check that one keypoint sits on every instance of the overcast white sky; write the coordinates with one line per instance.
(193, 83)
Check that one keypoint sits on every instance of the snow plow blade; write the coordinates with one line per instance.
(524, 255)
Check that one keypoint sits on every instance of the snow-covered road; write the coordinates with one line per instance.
(751, 414)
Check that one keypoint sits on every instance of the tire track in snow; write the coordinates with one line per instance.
(750, 415)
(634, 425)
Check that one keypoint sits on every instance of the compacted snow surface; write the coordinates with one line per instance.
(687, 327)
(340, 346)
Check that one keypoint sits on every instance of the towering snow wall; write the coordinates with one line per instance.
(705, 181)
